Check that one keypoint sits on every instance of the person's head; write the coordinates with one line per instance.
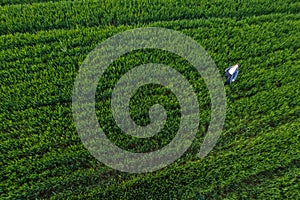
(237, 64)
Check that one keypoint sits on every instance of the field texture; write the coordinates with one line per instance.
(42, 46)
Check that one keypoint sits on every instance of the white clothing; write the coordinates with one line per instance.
(232, 69)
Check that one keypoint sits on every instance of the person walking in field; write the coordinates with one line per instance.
(231, 74)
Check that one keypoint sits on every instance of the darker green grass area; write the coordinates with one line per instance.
(231, 167)
(281, 180)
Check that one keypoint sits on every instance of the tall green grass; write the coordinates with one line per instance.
(42, 46)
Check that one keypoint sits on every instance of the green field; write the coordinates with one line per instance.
(42, 46)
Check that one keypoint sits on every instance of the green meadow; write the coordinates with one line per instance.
(42, 46)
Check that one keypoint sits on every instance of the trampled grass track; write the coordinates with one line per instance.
(263, 185)
(14, 2)
(43, 156)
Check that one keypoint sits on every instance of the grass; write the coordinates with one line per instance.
(257, 154)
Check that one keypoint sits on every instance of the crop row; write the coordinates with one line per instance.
(19, 40)
(72, 14)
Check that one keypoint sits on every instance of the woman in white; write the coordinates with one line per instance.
(231, 73)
